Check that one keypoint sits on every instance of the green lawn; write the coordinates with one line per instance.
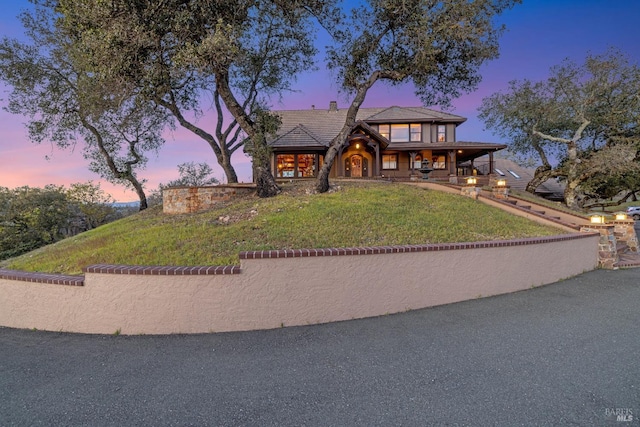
(356, 214)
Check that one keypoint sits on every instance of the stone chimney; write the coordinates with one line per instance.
(333, 106)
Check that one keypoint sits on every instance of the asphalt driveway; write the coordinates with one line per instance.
(563, 354)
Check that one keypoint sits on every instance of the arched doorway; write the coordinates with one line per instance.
(356, 166)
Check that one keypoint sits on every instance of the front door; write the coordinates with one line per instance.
(356, 166)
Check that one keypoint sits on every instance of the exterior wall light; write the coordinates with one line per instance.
(597, 219)
(472, 180)
(501, 183)
(621, 216)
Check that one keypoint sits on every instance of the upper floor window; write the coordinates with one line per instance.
(401, 132)
(442, 133)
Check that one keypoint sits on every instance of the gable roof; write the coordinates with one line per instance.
(322, 125)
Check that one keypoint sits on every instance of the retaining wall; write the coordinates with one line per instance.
(181, 200)
(285, 288)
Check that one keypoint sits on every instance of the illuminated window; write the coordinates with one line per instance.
(295, 165)
(439, 162)
(389, 161)
(285, 165)
(401, 132)
(417, 162)
(442, 133)
(384, 130)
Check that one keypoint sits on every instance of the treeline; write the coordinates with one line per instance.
(34, 217)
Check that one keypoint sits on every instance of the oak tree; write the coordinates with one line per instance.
(65, 103)
(582, 124)
(438, 46)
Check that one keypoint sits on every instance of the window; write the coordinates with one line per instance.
(417, 162)
(285, 165)
(439, 162)
(499, 172)
(416, 132)
(389, 161)
(384, 130)
(295, 165)
(515, 175)
(442, 133)
(401, 132)
(306, 165)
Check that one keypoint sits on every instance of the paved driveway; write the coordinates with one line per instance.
(564, 354)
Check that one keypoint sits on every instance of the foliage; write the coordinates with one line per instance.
(356, 214)
(587, 116)
(193, 175)
(178, 53)
(33, 217)
(438, 46)
(65, 102)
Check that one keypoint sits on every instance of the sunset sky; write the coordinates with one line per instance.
(540, 34)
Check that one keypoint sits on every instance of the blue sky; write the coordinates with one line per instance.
(539, 35)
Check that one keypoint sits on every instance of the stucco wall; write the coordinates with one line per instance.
(286, 288)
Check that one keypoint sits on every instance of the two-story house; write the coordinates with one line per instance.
(385, 142)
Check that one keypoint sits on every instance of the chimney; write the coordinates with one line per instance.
(333, 106)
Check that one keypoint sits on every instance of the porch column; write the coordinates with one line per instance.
(377, 171)
(491, 163)
(453, 170)
(412, 157)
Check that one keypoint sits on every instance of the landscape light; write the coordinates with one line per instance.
(472, 180)
(501, 183)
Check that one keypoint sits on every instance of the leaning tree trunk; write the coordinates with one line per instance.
(541, 174)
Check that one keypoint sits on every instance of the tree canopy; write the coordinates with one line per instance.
(65, 103)
(438, 46)
(582, 124)
(173, 52)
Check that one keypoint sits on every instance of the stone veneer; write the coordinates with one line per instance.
(181, 200)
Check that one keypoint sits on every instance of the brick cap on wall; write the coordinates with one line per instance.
(296, 253)
(59, 279)
(151, 270)
(52, 279)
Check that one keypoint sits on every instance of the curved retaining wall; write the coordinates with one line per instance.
(272, 289)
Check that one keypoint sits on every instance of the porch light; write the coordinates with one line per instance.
(621, 216)
(472, 180)
(357, 146)
(501, 183)
(597, 219)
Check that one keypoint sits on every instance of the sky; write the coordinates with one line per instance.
(539, 35)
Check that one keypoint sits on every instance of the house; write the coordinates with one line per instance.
(387, 142)
(517, 177)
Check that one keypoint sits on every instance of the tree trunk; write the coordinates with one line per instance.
(322, 182)
(140, 192)
(541, 174)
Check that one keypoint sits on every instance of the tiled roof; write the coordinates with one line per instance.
(322, 125)
(299, 136)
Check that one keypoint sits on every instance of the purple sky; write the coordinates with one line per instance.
(540, 34)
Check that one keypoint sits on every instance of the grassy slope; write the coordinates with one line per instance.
(358, 214)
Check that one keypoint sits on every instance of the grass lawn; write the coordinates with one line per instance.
(355, 214)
